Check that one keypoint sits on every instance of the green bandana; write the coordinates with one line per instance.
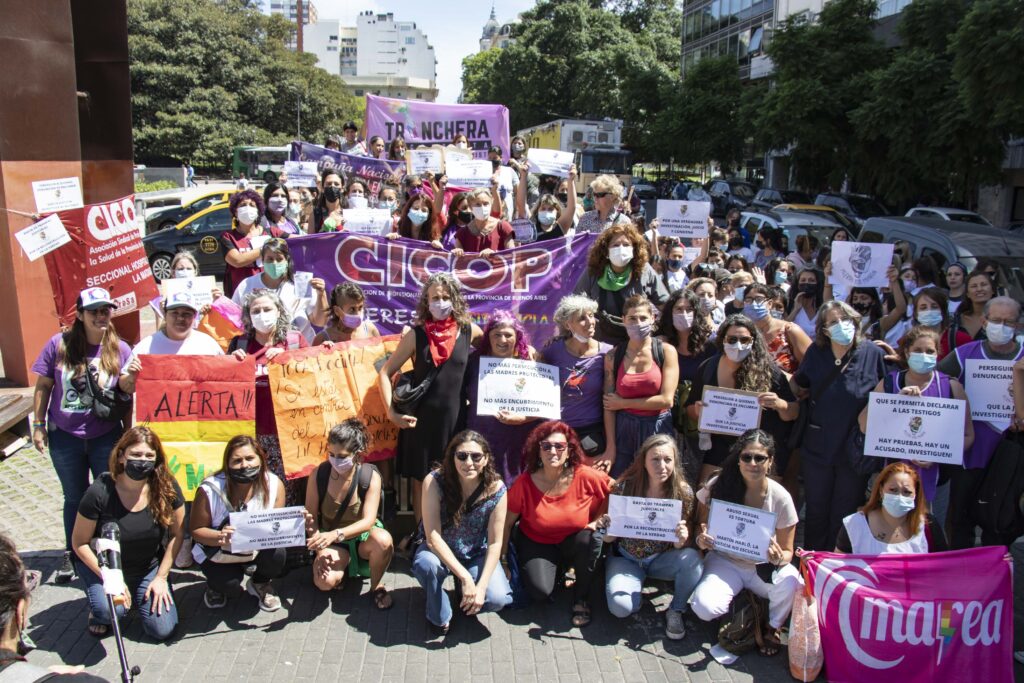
(613, 281)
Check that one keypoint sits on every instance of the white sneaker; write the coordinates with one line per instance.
(264, 592)
(184, 559)
(675, 629)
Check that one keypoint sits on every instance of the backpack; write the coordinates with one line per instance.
(657, 352)
(995, 507)
(743, 627)
(364, 477)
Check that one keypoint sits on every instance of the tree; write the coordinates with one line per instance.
(211, 74)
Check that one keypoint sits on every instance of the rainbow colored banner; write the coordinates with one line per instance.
(196, 404)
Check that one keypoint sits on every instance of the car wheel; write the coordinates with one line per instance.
(161, 265)
(269, 177)
(166, 225)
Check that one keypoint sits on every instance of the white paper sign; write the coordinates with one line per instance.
(302, 280)
(525, 231)
(741, 531)
(989, 385)
(915, 428)
(424, 160)
(691, 255)
(683, 219)
(522, 387)
(860, 264)
(367, 221)
(652, 519)
(729, 411)
(43, 237)
(301, 173)
(199, 288)
(59, 194)
(463, 172)
(550, 161)
(280, 528)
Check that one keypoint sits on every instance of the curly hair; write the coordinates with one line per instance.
(755, 372)
(451, 485)
(162, 493)
(241, 441)
(730, 485)
(428, 231)
(448, 282)
(531, 449)
(238, 197)
(283, 322)
(501, 318)
(700, 329)
(598, 257)
(569, 308)
(635, 480)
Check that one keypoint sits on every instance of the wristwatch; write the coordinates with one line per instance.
(340, 535)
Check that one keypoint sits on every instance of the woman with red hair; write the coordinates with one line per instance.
(557, 502)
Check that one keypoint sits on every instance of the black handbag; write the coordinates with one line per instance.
(109, 405)
(407, 394)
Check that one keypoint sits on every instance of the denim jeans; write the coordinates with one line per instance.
(74, 459)
(625, 574)
(158, 627)
(431, 572)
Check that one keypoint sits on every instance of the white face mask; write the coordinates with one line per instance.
(682, 321)
(481, 212)
(580, 338)
(440, 309)
(546, 217)
(737, 352)
(184, 272)
(264, 321)
(247, 215)
(294, 209)
(462, 145)
(620, 255)
(999, 334)
(357, 202)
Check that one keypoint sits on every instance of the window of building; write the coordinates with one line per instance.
(358, 92)
(410, 40)
(577, 136)
(419, 96)
(716, 13)
(756, 40)
(332, 37)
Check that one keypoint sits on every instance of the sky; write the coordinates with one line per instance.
(452, 28)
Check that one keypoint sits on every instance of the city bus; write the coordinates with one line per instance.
(258, 163)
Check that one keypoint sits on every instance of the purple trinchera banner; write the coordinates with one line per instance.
(529, 280)
(428, 123)
(376, 172)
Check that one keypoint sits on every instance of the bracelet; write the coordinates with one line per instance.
(38, 424)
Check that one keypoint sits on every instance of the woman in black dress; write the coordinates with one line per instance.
(440, 338)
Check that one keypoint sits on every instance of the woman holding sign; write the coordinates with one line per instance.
(550, 218)
(744, 481)
(654, 474)
(485, 234)
(243, 482)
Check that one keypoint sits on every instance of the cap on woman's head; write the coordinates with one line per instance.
(94, 297)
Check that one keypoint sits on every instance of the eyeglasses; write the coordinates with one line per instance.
(752, 458)
(733, 339)
(758, 301)
(556, 447)
(601, 195)
(463, 456)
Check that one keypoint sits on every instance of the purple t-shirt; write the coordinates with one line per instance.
(66, 411)
(582, 382)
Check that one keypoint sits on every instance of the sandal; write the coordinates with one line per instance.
(570, 577)
(381, 598)
(580, 614)
(772, 643)
(98, 630)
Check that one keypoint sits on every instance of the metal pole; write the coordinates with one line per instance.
(298, 115)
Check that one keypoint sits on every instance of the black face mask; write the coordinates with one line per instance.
(861, 307)
(464, 216)
(807, 288)
(760, 244)
(244, 475)
(736, 243)
(139, 470)
(332, 193)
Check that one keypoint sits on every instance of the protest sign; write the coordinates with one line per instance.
(367, 221)
(425, 160)
(39, 239)
(729, 411)
(105, 251)
(860, 264)
(653, 519)
(472, 173)
(683, 219)
(301, 173)
(989, 387)
(374, 172)
(915, 428)
(196, 404)
(550, 161)
(525, 231)
(199, 288)
(523, 387)
(690, 255)
(303, 284)
(223, 321)
(741, 531)
(914, 618)
(431, 123)
(529, 280)
(60, 194)
(268, 529)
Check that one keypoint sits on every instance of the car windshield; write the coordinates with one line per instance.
(743, 190)
(968, 218)
(866, 207)
(794, 197)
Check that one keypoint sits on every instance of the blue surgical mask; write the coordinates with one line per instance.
(999, 334)
(922, 363)
(898, 506)
(674, 263)
(781, 278)
(417, 217)
(738, 293)
(757, 311)
(389, 204)
(931, 318)
(546, 217)
(842, 332)
(777, 314)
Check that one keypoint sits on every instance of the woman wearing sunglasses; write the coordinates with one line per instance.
(744, 480)
(464, 506)
(607, 192)
(557, 503)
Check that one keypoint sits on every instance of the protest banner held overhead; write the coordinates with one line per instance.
(429, 123)
(375, 172)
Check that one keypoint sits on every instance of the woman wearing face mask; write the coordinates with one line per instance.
(876, 324)
(396, 150)
(464, 509)
(438, 345)
(343, 500)
(275, 197)
(673, 275)
(778, 272)
(357, 196)
(640, 381)
(243, 482)
(931, 310)
(739, 283)
(183, 265)
(416, 222)
(388, 199)
(327, 212)
(460, 141)
(242, 242)
(348, 316)
(580, 362)
(806, 298)
(956, 276)
(278, 276)
(140, 495)
(485, 234)
(550, 219)
(736, 245)
(711, 308)
(458, 214)
(895, 520)
(294, 210)
(838, 372)
(618, 269)
(606, 193)
(769, 245)
(785, 341)
(503, 337)
(743, 363)
(969, 317)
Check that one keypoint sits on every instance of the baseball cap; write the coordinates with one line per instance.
(180, 300)
(94, 297)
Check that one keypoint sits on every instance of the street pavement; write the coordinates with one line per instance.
(326, 637)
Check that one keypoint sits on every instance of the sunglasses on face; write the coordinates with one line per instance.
(463, 456)
(556, 447)
(757, 459)
(601, 195)
(733, 339)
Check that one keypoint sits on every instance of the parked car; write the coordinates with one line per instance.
(729, 194)
(819, 210)
(689, 190)
(199, 233)
(168, 218)
(645, 190)
(858, 207)
(792, 224)
(767, 198)
(945, 214)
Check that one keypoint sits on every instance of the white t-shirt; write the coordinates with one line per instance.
(298, 309)
(195, 344)
(778, 501)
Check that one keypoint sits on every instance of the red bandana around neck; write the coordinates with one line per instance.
(441, 334)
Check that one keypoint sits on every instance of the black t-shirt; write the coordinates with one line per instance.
(142, 539)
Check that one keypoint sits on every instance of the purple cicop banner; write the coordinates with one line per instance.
(428, 123)
(376, 172)
(529, 280)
